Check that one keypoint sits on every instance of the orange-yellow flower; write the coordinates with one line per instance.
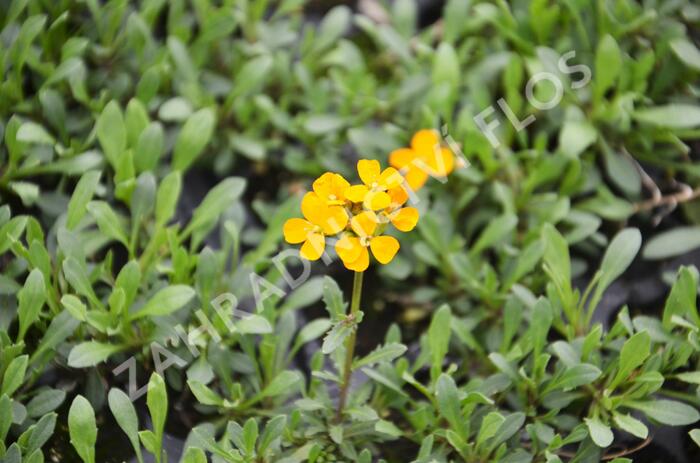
(425, 157)
(331, 188)
(320, 220)
(353, 250)
(373, 192)
(403, 218)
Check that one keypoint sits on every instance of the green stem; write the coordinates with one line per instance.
(350, 345)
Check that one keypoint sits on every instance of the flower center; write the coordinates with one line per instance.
(374, 185)
(332, 197)
(364, 241)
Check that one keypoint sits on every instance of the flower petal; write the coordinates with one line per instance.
(364, 223)
(356, 193)
(377, 200)
(312, 206)
(390, 178)
(441, 163)
(424, 141)
(405, 219)
(313, 247)
(398, 196)
(348, 248)
(335, 220)
(331, 187)
(361, 263)
(368, 170)
(323, 185)
(384, 248)
(295, 230)
(401, 157)
(416, 176)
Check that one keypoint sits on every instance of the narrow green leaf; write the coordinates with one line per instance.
(165, 301)
(111, 132)
(14, 375)
(668, 412)
(600, 433)
(82, 428)
(31, 299)
(90, 353)
(193, 137)
(125, 414)
(82, 195)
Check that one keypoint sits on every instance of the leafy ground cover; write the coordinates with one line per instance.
(543, 309)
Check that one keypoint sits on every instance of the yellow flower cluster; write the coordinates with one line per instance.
(358, 215)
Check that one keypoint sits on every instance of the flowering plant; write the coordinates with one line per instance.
(358, 217)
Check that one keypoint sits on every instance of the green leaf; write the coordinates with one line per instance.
(143, 198)
(557, 263)
(157, 402)
(687, 52)
(111, 132)
(695, 435)
(5, 416)
(76, 275)
(336, 336)
(575, 137)
(333, 299)
(634, 352)
(149, 148)
(31, 132)
(14, 375)
(61, 327)
(439, 339)
(193, 137)
(575, 376)
(252, 75)
(312, 330)
(165, 301)
(204, 394)
(45, 402)
(82, 428)
(194, 455)
(449, 403)
(40, 434)
(273, 431)
(620, 253)
(600, 433)
(668, 412)
(385, 353)
(249, 436)
(107, 221)
(82, 195)
(124, 413)
(284, 383)
(541, 322)
(254, 324)
(682, 301)
(496, 230)
(31, 299)
(135, 120)
(90, 353)
(167, 197)
(672, 243)
(672, 116)
(608, 64)
(320, 124)
(219, 198)
(489, 426)
(692, 377)
(446, 66)
(631, 425)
